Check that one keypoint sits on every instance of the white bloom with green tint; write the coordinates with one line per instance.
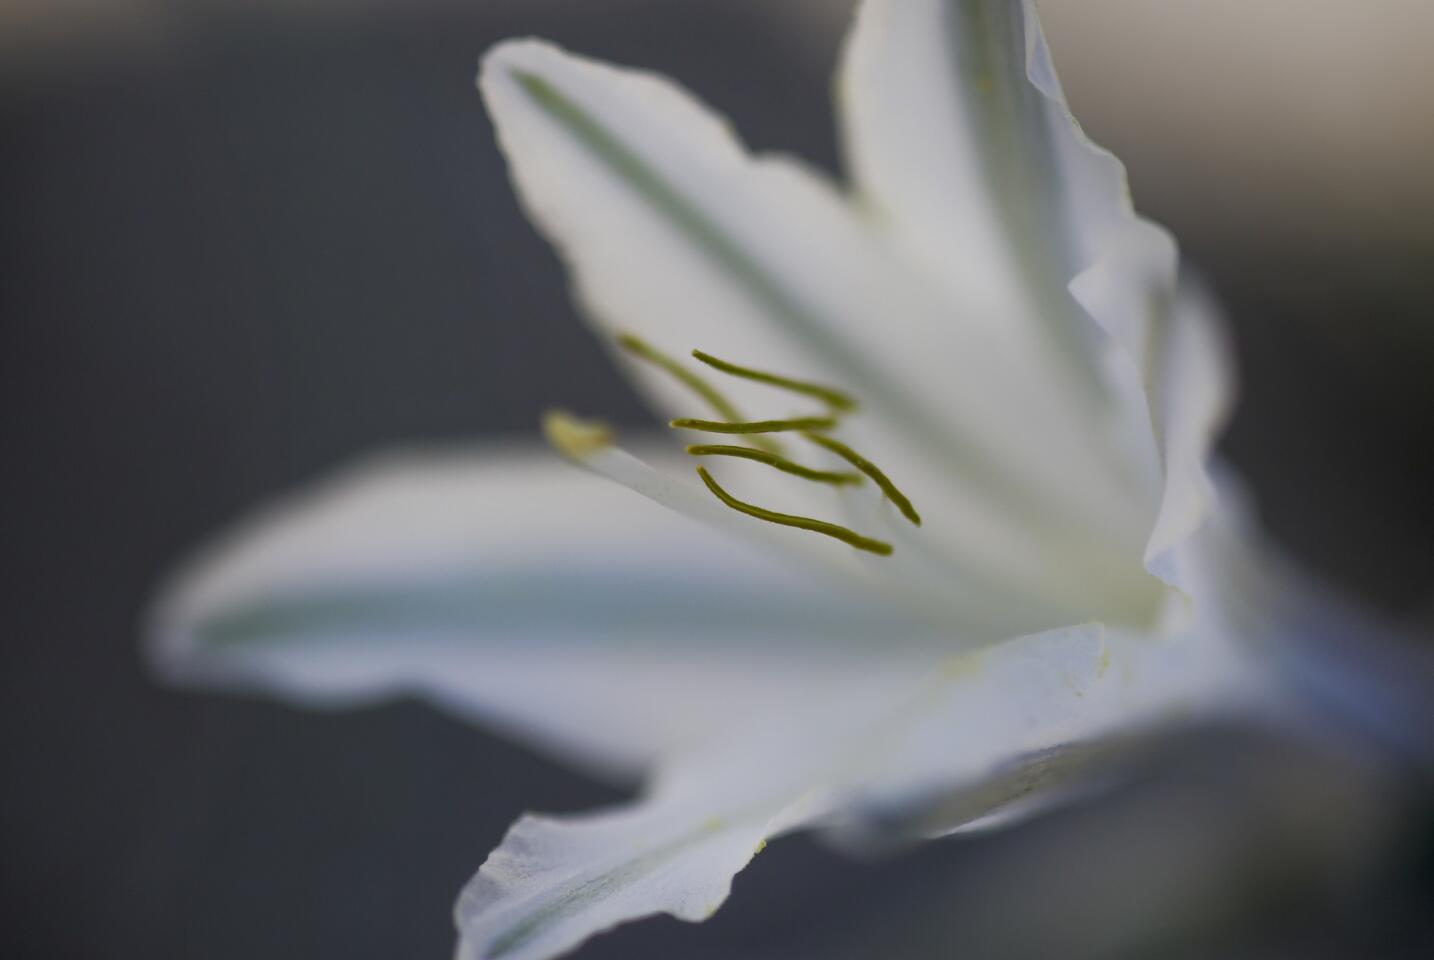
(986, 405)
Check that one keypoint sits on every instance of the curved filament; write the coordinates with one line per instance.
(871, 470)
(833, 398)
(756, 426)
(772, 460)
(710, 395)
(836, 531)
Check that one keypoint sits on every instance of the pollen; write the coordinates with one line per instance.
(573, 437)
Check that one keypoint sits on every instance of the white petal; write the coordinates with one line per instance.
(1172, 367)
(917, 579)
(959, 135)
(958, 139)
(1192, 395)
(555, 882)
(516, 590)
(1008, 730)
(1001, 728)
(673, 232)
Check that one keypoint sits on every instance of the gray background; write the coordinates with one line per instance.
(234, 259)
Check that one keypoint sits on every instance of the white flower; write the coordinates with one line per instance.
(1027, 369)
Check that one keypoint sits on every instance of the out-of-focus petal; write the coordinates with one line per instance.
(997, 729)
(555, 882)
(1005, 731)
(1345, 663)
(1191, 394)
(515, 590)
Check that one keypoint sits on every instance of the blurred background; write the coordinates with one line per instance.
(243, 242)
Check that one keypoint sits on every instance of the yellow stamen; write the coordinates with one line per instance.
(871, 470)
(573, 437)
(710, 395)
(756, 426)
(845, 535)
(772, 460)
(832, 397)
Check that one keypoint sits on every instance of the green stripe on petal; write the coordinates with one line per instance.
(675, 234)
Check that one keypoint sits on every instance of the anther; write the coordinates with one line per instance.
(805, 424)
(833, 398)
(575, 438)
(845, 535)
(772, 460)
(871, 470)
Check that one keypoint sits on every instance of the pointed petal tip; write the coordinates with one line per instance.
(515, 51)
(498, 64)
(554, 882)
(163, 641)
(169, 627)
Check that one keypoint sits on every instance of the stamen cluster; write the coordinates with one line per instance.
(765, 449)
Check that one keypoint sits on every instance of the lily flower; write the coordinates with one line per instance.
(944, 545)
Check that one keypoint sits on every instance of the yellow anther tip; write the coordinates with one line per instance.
(573, 437)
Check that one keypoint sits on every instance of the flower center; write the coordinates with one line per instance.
(765, 450)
